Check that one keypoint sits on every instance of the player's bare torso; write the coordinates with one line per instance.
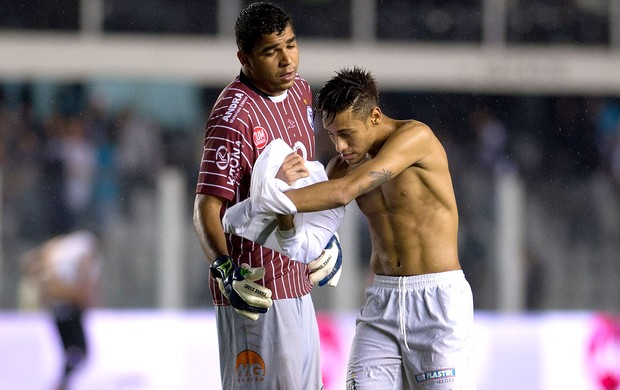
(413, 218)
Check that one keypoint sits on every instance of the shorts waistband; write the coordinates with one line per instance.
(418, 281)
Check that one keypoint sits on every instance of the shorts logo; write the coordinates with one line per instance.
(443, 375)
(250, 367)
(260, 137)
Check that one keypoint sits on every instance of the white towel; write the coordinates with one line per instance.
(254, 218)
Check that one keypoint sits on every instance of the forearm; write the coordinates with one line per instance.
(320, 196)
(208, 228)
(212, 241)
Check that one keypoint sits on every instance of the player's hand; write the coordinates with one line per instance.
(238, 286)
(293, 167)
(326, 269)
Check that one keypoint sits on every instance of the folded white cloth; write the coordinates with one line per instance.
(254, 218)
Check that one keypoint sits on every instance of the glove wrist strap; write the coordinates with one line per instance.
(222, 266)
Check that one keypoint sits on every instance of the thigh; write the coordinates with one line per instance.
(278, 351)
(374, 362)
(440, 357)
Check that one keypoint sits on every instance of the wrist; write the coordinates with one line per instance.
(285, 222)
(222, 266)
(285, 234)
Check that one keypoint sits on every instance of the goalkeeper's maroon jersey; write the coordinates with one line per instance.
(242, 122)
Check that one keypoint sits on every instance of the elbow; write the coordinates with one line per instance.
(197, 215)
(196, 221)
(343, 198)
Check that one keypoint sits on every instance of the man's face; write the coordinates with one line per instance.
(349, 134)
(272, 64)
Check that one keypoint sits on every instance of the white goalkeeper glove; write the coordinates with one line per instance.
(238, 286)
(326, 269)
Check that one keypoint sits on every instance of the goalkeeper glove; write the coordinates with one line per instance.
(326, 269)
(238, 286)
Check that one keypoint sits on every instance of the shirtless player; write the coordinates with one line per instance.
(414, 330)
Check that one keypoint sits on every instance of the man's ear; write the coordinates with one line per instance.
(243, 57)
(375, 116)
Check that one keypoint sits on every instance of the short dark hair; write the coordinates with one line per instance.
(351, 88)
(257, 20)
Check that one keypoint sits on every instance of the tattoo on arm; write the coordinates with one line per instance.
(378, 179)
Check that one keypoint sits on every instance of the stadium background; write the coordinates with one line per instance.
(525, 95)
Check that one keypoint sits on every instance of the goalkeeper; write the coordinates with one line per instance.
(267, 329)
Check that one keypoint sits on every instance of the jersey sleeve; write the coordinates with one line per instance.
(227, 152)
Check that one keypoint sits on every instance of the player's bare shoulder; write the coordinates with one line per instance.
(411, 128)
(418, 135)
(411, 140)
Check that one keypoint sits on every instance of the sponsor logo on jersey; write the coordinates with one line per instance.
(444, 375)
(260, 137)
(234, 107)
(221, 158)
(310, 115)
(229, 160)
(250, 367)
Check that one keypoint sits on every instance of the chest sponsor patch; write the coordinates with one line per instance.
(260, 137)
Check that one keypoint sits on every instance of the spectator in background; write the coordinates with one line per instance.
(56, 215)
(66, 271)
(607, 121)
(140, 156)
(78, 154)
(492, 139)
(607, 114)
(571, 140)
(615, 163)
(69, 168)
(106, 186)
(20, 165)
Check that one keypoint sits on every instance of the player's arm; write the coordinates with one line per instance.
(292, 168)
(207, 211)
(236, 283)
(327, 267)
(406, 147)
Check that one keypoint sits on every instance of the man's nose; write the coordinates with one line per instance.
(340, 145)
(286, 58)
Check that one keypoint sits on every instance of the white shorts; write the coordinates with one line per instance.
(278, 351)
(414, 332)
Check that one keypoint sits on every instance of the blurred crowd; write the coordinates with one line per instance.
(76, 168)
